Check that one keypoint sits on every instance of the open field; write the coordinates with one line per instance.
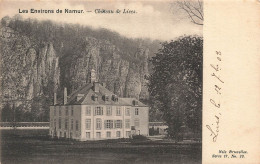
(33, 146)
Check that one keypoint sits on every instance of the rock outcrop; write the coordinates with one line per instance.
(26, 69)
(32, 69)
(120, 76)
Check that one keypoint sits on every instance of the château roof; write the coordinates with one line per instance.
(132, 102)
(86, 95)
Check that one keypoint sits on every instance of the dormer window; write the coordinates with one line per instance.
(115, 98)
(135, 103)
(106, 98)
(79, 96)
(95, 97)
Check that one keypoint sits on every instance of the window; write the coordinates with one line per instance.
(60, 134)
(67, 111)
(106, 97)
(127, 123)
(99, 111)
(118, 134)
(72, 112)
(98, 134)
(77, 125)
(118, 111)
(59, 123)
(128, 133)
(88, 124)
(87, 134)
(118, 123)
(95, 97)
(115, 98)
(50, 123)
(136, 111)
(109, 111)
(54, 123)
(127, 112)
(71, 124)
(60, 111)
(135, 102)
(98, 124)
(108, 124)
(137, 122)
(66, 124)
(65, 135)
(108, 134)
(88, 111)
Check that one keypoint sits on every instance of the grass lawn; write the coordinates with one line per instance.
(34, 146)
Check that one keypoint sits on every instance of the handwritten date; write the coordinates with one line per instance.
(216, 103)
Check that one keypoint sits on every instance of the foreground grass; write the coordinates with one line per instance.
(34, 146)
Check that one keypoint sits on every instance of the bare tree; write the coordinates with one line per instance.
(193, 9)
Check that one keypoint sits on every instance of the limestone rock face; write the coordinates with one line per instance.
(26, 69)
(31, 69)
(123, 78)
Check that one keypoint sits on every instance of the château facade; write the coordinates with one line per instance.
(94, 113)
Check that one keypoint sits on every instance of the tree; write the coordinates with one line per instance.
(175, 84)
(5, 20)
(7, 113)
(193, 9)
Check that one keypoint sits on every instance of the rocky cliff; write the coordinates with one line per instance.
(25, 67)
(125, 78)
(33, 67)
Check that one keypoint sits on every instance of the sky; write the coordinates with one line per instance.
(153, 20)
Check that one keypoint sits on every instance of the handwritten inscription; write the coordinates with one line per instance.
(216, 101)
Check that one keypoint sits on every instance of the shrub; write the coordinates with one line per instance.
(139, 137)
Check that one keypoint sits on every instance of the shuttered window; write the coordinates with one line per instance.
(109, 110)
(118, 111)
(137, 122)
(127, 123)
(88, 124)
(77, 125)
(118, 123)
(98, 123)
(88, 111)
(66, 124)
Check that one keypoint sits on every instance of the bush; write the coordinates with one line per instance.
(139, 137)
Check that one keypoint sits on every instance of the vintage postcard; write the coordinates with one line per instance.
(144, 82)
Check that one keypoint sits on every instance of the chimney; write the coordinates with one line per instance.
(93, 76)
(65, 96)
(96, 87)
(55, 98)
